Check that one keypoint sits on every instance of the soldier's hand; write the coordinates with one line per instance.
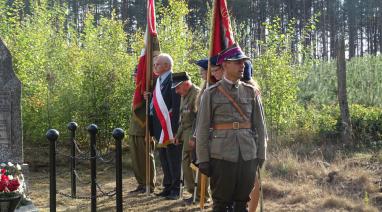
(204, 168)
(146, 95)
(191, 143)
(176, 141)
(260, 163)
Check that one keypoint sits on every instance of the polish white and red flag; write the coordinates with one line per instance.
(144, 72)
(163, 114)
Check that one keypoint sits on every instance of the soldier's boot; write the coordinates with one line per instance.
(240, 207)
(222, 207)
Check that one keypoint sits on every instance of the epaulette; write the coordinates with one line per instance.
(257, 91)
(213, 86)
(248, 85)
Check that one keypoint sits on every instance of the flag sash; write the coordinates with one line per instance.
(163, 115)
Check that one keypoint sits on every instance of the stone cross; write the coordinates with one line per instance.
(11, 132)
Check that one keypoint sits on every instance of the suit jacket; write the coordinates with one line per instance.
(172, 101)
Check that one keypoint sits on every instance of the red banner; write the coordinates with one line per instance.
(151, 49)
(222, 36)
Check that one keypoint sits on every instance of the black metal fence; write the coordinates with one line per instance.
(92, 155)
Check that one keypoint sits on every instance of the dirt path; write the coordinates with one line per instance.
(39, 193)
(290, 183)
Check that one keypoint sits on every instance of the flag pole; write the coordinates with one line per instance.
(214, 11)
(203, 177)
(149, 66)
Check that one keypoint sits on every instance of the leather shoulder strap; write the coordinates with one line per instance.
(234, 104)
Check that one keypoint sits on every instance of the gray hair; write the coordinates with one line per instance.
(167, 58)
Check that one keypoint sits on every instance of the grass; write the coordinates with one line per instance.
(321, 180)
(293, 180)
(337, 203)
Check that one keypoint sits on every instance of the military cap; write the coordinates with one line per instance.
(203, 63)
(248, 70)
(214, 60)
(178, 78)
(231, 54)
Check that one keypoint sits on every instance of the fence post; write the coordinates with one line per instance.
(118, 135)
(93, 129)
(72, 126)
(52, 136)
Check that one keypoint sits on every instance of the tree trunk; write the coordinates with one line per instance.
(332, 8)
(124, 15)
(323, 30)
(350, 12)
(346, 127)
(380, 28)
(263, 18)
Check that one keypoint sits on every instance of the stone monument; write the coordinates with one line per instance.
(11, 142)
(11, 132)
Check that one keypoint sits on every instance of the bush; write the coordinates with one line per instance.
(85, 75)
(325, 122)
(363, 82)
(367, 126)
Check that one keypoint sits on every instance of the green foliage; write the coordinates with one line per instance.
(85, 75)
(178, 40)
(278, 78)
(10, 15)
(366, 200)
(363, 82)
(70, 76)
(324, 121)
(367, 126)
(106, 70)
(318, 120)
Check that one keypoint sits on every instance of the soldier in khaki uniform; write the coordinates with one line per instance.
(231, 134)
(137, 146)
(188, 91)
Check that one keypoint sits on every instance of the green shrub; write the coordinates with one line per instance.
(324, 121)
(363, 82)
(367, 126)
(85, 75)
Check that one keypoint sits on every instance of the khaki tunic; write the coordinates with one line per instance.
(228, 144)
(137, 144)
(137, 123)
(187, 116)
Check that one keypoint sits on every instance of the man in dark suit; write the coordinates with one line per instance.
(164, 125)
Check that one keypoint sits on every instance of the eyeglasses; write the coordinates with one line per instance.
(159, 64)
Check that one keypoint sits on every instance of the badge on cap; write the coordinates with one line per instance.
(231, 54)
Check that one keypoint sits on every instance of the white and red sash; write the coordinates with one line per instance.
(163, 115)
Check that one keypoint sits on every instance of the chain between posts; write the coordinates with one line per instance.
(103, 194)
(93, 155)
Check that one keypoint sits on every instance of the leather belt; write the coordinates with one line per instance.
(232, 126)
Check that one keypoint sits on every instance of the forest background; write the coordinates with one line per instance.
(75, 60)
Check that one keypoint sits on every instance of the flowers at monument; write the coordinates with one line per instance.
(11, 180)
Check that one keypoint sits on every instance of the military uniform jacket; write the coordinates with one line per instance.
(187, 116)
(137, 125)
(228, 144)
